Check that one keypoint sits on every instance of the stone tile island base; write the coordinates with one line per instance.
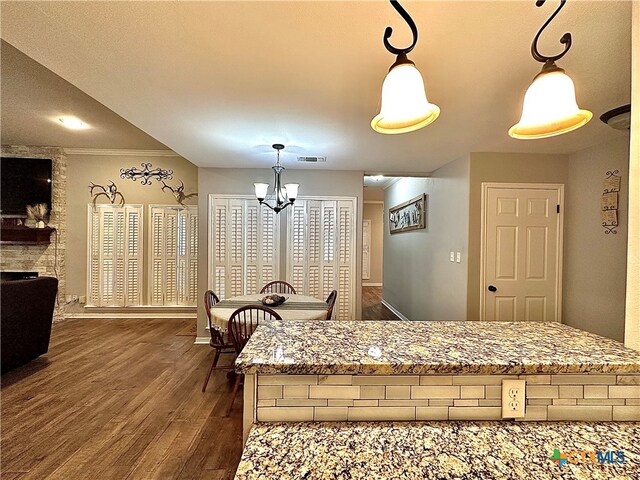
(302, 398)
(441, 451)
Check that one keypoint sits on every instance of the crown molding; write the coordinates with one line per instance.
(120, 152)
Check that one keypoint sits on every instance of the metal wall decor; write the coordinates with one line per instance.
(609, 202)
(410, 215)
(110, 191)
(178, 192)
(146, 174)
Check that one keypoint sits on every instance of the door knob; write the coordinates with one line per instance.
(492, 288)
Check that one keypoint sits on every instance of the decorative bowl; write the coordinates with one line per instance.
(273, 300)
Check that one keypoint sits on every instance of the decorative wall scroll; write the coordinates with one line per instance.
(410, 215)
(609, 202)
(146, 174)
(110, 191)
(178, 192)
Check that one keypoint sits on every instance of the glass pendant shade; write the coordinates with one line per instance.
(261, 190)
(404, 105)
(549, 107)
(292, 191)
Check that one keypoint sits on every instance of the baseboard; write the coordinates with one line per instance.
(371, 284)
(394, 310)
(140, 315)
(202, 340)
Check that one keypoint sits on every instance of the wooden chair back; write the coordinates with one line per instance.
(278, 286)
(210, 299)
(245, 320)
(331, 301)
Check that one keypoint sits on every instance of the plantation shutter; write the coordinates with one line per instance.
(245, 246)
(174, 255)
(115, 260)
(321, 236)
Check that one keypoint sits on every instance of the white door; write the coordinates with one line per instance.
(366, 249)
(521, 252)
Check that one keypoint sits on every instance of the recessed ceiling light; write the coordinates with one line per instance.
(74, 123)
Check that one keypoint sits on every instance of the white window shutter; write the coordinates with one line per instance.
(236, 248)
(220, 258)
(297, 247)
(174, 255)
(115, 246)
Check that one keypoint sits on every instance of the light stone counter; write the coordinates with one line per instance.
(401, 348)
(440, 450)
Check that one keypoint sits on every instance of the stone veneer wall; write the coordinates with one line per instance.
(42, 258)
(589, 397)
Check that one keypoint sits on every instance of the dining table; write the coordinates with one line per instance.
(295, 307)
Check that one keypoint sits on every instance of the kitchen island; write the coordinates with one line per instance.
(408, 371)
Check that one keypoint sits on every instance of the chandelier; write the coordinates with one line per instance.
(283, 196)
(404, 106)
(550, 107)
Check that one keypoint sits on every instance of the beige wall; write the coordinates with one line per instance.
(227, 181)
(84, 169)
(595, 264)
(374, 193)
(419, 279)
(375, 213)
(502, 167)
(632, 314)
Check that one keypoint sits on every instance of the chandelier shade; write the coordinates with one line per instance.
(550, 107)
(404, 106)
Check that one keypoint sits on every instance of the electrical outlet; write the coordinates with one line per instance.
(513, 398)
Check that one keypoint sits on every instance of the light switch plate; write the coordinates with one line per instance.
(452, 256)
(458, 257)
(513, 398)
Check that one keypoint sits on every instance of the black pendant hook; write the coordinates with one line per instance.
(388, 31)
(565, 40)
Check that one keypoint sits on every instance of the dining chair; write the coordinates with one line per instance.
(217, 341)
(242, 324)
(331, 301)
(278, 286)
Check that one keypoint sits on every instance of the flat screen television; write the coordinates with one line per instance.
(24, 181)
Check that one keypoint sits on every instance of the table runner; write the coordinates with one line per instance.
(285, 306)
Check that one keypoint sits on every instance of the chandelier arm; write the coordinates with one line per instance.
(389, 30)
(565, 40)
(265, 203)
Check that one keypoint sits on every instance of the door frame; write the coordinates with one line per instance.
(559, 244)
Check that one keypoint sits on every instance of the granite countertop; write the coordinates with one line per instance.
(402, 347)
(437, 450)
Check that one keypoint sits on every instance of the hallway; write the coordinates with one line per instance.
(372, 307)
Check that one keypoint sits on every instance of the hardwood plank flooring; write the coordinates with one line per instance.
(119, 399)
(372, 307)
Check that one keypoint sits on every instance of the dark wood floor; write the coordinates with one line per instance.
(372, 307)
(119, 399)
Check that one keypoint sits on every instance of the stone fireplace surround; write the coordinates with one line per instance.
(43, 259)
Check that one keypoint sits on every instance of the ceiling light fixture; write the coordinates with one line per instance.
(550, 107)
(283, 196)
(404, 106)
(74, 123)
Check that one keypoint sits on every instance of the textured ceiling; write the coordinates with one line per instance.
(33, 98)
(219, 82)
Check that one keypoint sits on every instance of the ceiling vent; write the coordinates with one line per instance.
(312, 159)
(618, 118)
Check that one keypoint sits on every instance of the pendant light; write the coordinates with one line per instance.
(404, 106)
(550, 107)
(283, 196)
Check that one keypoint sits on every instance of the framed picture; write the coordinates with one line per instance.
(410, 215)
